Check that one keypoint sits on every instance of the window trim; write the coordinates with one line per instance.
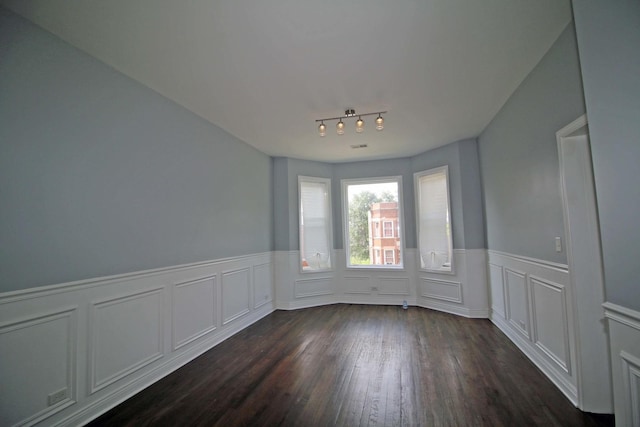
(344, 184)
(329, 223)
(416, 187)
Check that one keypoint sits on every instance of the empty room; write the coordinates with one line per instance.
(319, 213)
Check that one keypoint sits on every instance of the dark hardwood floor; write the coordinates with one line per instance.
(352, 365)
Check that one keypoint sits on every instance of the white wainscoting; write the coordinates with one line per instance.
(132, 324)
(235, 294)
(624, 342)
(37, 352)
(531, 304)
(295, 289)
(463, 293)
(193, 310)
(70, 352)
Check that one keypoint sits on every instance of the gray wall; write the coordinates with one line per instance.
(375, 169)
(464, 188)
(100, 175)
(609, 45)
(464, 176)
(519, 158)
(471, 192)
(286, 221)
(447, 155)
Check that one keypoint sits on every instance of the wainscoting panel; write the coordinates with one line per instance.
(517, 300)
(358, 285)
(463, 291)
(194, 310)
(41, 347)
(445, 290)
(69, 352)
(531, 304)
(127, 333)
(550, 328)
(235, 293)
(295, 289)
(313, 286)
(497, 289)
(262, 284)
(624, 342)
(393, 285)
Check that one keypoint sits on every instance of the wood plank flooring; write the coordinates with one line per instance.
(356, 365)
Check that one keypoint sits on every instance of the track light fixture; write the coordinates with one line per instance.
(322, 129)
(350, 112)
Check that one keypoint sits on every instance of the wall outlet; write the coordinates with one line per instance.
(57, 397)
(374, 289)
(558, 244)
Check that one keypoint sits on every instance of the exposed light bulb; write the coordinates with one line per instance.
(379, 123)
(322, 129)
(340, 127)
(359, 125)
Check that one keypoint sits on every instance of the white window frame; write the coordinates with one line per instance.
(416, 186)
(345, 183)
(329, 223)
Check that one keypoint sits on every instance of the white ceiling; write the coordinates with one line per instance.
(265, 70)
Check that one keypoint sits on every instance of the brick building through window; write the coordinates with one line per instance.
(384, 234)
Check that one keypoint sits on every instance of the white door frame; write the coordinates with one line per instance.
(584, 257)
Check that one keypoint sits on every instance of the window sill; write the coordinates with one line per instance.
(324, 270)
(451, 272)
(374, 267)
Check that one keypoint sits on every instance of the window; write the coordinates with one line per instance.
(388, 228)
(314, 195)
(372, 222)
(434, 219)
(389, 257)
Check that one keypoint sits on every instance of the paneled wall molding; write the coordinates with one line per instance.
(313, 287)
(531, 303)
(197, 297)
(463, 293)
(138, 311)
(446, 290)
(18, 361)
(96, 342)
(236, 293)
(624, 346)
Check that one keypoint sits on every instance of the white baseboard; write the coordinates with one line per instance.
(455, 309)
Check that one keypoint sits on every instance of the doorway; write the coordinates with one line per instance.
(584, 256)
